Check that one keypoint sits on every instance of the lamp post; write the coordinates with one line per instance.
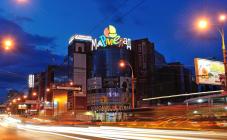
(221, 31)
(204, 24)
(34, 94)
(45, 101)
(123, 64)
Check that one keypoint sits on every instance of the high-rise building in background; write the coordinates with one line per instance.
(79, 51)
(172, 79)
(11, 93)
(55, 100)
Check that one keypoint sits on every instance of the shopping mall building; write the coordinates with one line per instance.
(105, 87)
(94, 64)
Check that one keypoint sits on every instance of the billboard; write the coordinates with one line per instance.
(208, 71)
(110, 82)
(126, 84)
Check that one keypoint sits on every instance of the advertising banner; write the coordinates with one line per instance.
(110, 82)
(208, 71)
(126, 84)
(94, 83)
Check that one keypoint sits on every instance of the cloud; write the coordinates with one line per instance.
(25, 57)
(21, 19)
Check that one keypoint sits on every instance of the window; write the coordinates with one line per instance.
(139, 48)
(79, 49)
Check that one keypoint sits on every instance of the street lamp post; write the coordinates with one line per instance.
(221, 31)
(34, 94)
(122, 64)
(203, 24)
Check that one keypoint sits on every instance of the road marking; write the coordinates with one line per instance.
(52, 133)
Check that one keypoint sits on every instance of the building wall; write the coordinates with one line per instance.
(79, 62)
(173, 79)
(106, 78)
(144, 64)
(60, 101)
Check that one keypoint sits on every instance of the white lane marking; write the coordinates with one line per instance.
(52, 133)
(86, 132)
(162, 131)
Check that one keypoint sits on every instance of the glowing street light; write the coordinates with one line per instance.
(222, 17)
(71, 83)
(203, 24)
(122, 64)
(7, 43)
(47, 90)
(25, 96)
(14, 100)
(34, 94)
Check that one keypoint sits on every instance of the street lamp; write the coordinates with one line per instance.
(222, 17)
(203, 24)
(123, 64)
(25, 96)
(34, 94)
(47, 90)
(38, 101)
(7, 44)
(14, 100)
(71, 83)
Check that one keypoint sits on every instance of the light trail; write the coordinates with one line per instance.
(52, 133)
(179, 95)
(116, 133)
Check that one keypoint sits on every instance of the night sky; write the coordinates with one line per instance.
(41, 29)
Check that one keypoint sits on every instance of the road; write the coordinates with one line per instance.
(13, 130)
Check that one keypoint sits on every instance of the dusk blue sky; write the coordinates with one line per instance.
(42, 28)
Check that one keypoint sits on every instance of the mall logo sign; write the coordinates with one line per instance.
(109, 38)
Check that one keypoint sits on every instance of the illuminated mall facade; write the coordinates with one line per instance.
(105, 88)
(108, 87)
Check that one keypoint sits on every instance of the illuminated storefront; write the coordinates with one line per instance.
(107, 83)
(108, 87)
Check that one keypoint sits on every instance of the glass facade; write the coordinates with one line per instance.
(60, 74)
(108, 94)
(105, 62)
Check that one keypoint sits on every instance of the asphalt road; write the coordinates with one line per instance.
(12, 130)
(10, 133)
